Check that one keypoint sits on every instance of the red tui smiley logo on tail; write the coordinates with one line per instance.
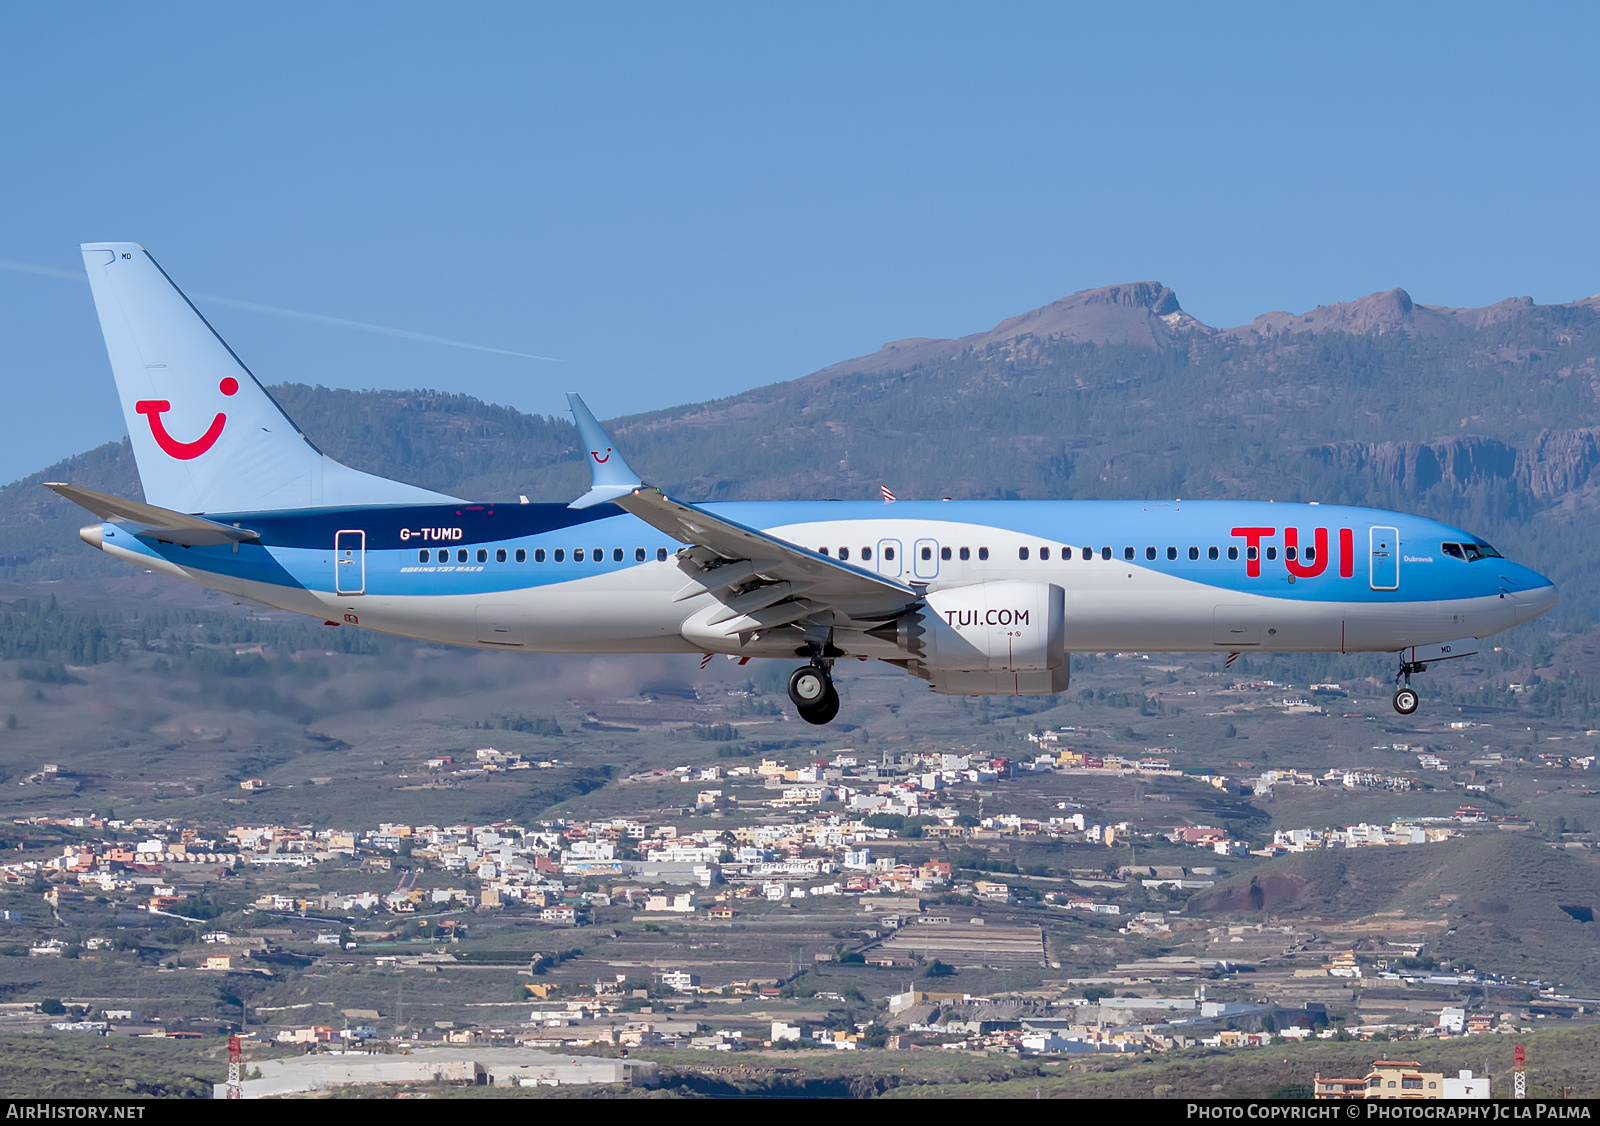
(153, 409)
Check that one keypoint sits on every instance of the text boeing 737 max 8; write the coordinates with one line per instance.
(976, 597)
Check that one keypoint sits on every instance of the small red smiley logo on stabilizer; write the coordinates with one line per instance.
(153, 409)
(596, 455)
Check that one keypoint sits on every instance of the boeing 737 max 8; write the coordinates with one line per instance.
(976, 597)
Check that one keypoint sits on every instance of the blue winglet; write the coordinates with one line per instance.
(612, 476)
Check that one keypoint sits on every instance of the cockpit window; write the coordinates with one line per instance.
(1471, 552)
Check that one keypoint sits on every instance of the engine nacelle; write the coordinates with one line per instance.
(999, 638)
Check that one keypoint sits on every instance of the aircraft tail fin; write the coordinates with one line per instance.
(206, 435)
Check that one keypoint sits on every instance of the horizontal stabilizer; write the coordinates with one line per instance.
(157, 523)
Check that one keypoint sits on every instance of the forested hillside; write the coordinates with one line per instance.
(1484, 418)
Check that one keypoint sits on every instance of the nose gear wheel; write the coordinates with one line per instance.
(1405, 697)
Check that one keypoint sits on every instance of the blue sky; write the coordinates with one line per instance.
(681, 202)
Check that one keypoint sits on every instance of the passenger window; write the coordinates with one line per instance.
(661, 555)
(638, 555)
(983, 553)
(616, 555)
(1250, 552)
(866, 555)
(422, 556)
(1211, 553)
(1233, 552)
(844, 553)
(561, 555)
(1066, 553)
(944, 553)
(1451, 549)
(1044, 553)
(461, 556)
(577, 555)
(1309, 554)
(1272, 553)
(1194, 553)
(1149, 553)
(966, 553)
(483, 555)
(1088, 553)
(538, 555)
(1022, 553)
(599, 555)
(500, 555)
(822, 551)
(522, 555)
(888, 553)
(927, 553)
(1127, 552)
(1172, 553)
(1105, 553)
(1288, 553)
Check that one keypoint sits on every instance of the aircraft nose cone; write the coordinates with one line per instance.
(1536, 600)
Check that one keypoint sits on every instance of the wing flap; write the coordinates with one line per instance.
(856, 592)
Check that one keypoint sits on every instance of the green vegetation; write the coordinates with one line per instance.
(58, 1066)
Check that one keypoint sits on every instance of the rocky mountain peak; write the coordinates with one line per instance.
(1145, 314)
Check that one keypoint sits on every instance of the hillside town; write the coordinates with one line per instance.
(746, 841)
(825, 828)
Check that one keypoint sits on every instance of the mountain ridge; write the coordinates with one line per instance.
(1148, 314)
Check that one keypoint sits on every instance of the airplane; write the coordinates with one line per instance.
(975, 597)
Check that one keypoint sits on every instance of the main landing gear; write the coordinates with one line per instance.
(811, 689)
(1405, 697)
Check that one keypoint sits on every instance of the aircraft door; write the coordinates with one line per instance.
(889, 561)
(350, 562)
(925, 559)
(1385, 557)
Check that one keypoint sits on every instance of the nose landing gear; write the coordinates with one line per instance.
(1406, 698)
(811, 689)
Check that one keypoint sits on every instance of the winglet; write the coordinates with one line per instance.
(613, 477)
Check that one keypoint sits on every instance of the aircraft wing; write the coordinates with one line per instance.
(157, 523)
(759, 577)
(819, 578)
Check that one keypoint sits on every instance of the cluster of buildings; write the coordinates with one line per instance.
(487, 760)
(1358, 836)
(843, 814)
(1403, 1079)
